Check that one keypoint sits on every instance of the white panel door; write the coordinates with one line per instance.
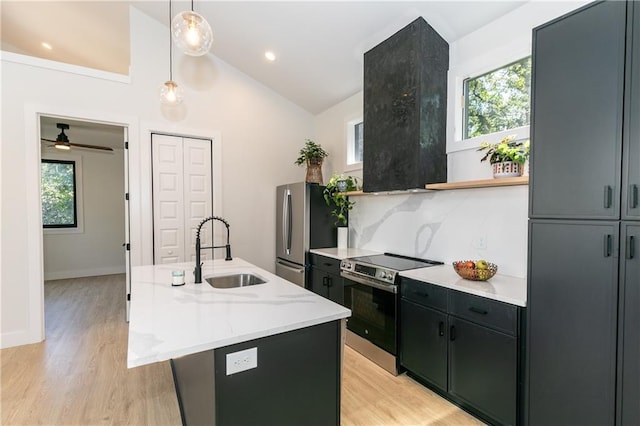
(168, 199)
(197, 195)
(182, 197)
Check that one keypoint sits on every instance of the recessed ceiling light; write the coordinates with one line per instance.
(46, 45)
(270, 55)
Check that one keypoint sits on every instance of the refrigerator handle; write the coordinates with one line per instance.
(286, 221)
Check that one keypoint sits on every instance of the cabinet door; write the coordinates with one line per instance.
(423, 343)
(336, 288)
(483, 366)
(319, 282)
(571, 322)
(577, 108)
(629, 371)
(631, 165)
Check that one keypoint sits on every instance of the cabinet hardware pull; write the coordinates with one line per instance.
(441, 329)
(452, 333)
(329, 281)
(607, 245)
(327, 264)
(478, 310)
(421, 294)
(325, 281)
(608, 195)
(633, 196)
(631, 247)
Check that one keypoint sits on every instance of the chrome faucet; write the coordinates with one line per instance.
(198, 271)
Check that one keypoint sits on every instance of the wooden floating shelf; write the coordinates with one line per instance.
(485, 183)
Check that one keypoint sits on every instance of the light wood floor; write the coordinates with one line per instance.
(78, 375)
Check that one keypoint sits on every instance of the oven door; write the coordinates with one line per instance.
(373, 311)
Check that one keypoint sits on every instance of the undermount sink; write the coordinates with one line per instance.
(234, 280)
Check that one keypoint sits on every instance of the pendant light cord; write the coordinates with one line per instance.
(170, 47)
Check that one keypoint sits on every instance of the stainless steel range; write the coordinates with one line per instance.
(370, 291)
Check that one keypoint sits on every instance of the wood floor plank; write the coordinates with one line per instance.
(78, 375)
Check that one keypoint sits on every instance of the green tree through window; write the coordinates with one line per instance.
(58, 189)
(498, 100)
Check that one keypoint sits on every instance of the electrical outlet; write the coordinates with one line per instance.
(242, 361)
(479, 242)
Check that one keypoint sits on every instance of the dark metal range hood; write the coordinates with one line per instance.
(405, 110)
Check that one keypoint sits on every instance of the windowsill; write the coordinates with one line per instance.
(474, 143)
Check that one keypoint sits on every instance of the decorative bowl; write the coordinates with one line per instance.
(466, 271)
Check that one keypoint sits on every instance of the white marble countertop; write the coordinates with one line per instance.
(503, 288)
(339, 253)
(167, 322)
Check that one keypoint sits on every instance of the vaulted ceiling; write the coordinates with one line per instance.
(319, 44)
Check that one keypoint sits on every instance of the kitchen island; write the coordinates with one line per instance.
(263, 354)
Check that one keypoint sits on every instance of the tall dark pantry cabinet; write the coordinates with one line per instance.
(583, 313)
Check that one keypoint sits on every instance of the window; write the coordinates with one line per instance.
(58, 191)
(498, 100)
(355, 143)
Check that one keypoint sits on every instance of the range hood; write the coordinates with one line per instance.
(405, 110)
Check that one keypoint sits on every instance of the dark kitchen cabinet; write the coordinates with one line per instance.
(629, 342)
(463, 346)
(631, 148)
(576, 124)
(325, 278)
(405, 110)
(583, 276)
(572, 305)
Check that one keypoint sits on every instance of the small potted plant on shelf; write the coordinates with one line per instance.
(312, 155)
(507, 157)
(335, 195)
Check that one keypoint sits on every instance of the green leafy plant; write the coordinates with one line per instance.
(506, 150)
(334, 195)
(310, 153)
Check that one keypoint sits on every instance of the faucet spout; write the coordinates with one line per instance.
(197, 272)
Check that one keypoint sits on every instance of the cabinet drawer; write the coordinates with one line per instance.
(327, 264)
(491, 313)
(425, 294)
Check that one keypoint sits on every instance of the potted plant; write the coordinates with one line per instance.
(334, 195)
(507, 157)
(312, 155)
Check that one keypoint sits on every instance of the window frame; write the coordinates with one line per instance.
(465, 101)
(351, 124)
(473, 67)
(79, 226)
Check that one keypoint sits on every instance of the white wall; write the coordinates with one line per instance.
(97, 249)
(448, 225)
(261, 133)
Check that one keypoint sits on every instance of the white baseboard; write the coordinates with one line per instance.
(61, 275)
(18, 338)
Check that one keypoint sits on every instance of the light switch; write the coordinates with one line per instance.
(242, 361)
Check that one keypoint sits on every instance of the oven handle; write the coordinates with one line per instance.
(369, 282)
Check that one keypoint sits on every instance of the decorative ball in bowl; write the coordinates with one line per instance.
(476, 270)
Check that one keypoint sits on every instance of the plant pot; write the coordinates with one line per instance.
(343, 237)
(506, 169)
(314, 171)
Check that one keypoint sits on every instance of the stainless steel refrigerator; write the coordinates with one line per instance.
(303, 222)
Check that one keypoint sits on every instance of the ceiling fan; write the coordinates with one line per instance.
(62, 141)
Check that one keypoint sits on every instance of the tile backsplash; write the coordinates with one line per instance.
(487, 223)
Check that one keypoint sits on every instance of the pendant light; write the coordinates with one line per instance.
(170, 92)
(192, 33)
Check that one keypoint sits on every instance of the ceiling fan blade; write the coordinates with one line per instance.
(80, 145)
(47, 140)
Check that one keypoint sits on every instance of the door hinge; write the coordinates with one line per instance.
(126, 196)
(128, 247)
(126, 145)
(129, 297)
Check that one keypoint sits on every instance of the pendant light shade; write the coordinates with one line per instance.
(171, 93)
(192, 33)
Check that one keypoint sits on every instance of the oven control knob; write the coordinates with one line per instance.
(383, 275)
